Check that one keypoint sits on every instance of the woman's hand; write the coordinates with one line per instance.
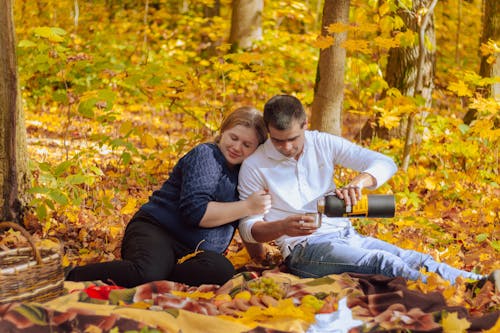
(259, 203)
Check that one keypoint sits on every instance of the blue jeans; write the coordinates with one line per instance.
(348, 251)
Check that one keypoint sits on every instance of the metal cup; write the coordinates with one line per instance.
(316, 217)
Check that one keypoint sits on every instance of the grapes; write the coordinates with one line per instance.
(267, 286)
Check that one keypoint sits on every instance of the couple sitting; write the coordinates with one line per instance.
(279, 179)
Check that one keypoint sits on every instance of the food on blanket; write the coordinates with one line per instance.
(268, 300)
(222, 298)
(312, 301)
(245, 294)
(241, 304)
(256, 301)
(268, 286)
(228, 309)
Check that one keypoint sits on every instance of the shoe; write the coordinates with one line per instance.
(493, 277)
(67, 270)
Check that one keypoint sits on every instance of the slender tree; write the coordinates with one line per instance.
(403, 65)
(329, 89)
(491, 32)
(419, 87)
(246, 23)
(13, 149)
(490, 63)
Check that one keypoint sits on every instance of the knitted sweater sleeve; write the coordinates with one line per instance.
(201, 172)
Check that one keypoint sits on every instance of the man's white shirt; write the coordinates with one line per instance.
(296, 185)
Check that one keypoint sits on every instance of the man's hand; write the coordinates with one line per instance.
(352, 192)
(299, 225)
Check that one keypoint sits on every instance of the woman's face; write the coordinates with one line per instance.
(237, 143)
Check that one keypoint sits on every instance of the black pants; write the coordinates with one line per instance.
(149, 253)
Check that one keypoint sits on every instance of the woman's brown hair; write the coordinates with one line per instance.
(247, 116)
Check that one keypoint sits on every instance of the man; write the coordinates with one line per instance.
(296, 167)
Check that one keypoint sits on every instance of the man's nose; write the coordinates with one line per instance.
(288, 146)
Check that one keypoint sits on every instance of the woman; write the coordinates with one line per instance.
(181, 233)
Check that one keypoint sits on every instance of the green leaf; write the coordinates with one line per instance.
(44, 166)
(52, 34)
(26, 43)
(38, 190)
(463, 128)
(80, 179)
(41, 211)
(495, 245)
(126, 158)
(86, 108)
(58, 197)
(481, 237)
(62, 168)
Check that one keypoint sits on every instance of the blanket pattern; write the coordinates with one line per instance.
(383, 304)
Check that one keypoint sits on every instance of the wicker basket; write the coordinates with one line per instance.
(29, 274)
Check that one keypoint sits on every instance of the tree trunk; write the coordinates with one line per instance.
(208, 46)
(329, 90)
(491, 31)
(13, 149)
(401, 71)
(419, 83)
(246, 23)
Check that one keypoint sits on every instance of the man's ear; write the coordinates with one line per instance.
(305, 124)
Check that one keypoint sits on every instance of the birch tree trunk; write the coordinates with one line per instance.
(13, 149)
(329, 90)
(246, 23)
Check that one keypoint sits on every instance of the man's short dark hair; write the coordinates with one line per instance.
(282, 110)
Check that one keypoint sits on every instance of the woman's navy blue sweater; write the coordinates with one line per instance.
(200, 176)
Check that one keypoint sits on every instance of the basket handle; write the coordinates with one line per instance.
(26, 234)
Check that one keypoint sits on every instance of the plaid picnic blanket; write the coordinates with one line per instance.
(378, 303)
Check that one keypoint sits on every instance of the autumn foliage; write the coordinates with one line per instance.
(114, 97)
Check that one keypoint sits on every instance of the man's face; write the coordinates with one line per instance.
(289, 142)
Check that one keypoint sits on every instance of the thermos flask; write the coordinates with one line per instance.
(371, 205)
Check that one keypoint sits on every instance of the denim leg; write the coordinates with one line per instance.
(358, 254)
(414, 259)
(338, 256)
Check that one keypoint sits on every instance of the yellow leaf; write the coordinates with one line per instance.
(114, 231)
(149, 140)
(460, 88)
(337, 27)
(386, 43)
(323, 42)
(189, 256)
(451, 323)
(193, 295)
(47, 243)
(430, 184)
(130, 207)
(126, 127)
(140, 305)
(357, 45)
(65, 261)
(93, 329)
(384, 9)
